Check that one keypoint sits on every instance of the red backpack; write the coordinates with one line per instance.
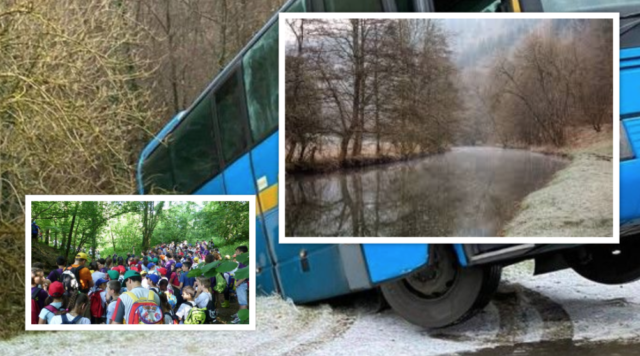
(35, 307)
(97, 308)
(144, 310)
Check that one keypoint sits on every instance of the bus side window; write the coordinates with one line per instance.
(405, 5)
(193, 151)
(353, 6)
(231, 117)
(157, 171)
(261, 86)
(298, 6)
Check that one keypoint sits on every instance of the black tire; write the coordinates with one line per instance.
(608, 264)
(454, 293)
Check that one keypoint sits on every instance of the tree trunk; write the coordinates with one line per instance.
(172, 58)
(356, 125)
(291, 151)
(344, 146)
(113, 241)
(73, 220)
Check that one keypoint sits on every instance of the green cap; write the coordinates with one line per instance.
(155, 259)
(130, 274)
(113, 275)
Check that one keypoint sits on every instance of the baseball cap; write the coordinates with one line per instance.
(150, 265)
(178, 265)
(82, 256)
(162, 270)
(121, 269)
(154, 278)
(113, 275)
(196, 259)
(56, 289)
(155, 259)
(101, 281)
(130, 274)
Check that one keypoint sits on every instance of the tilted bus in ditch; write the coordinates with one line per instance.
(227, 143)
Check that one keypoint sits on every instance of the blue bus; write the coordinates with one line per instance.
(226, 142)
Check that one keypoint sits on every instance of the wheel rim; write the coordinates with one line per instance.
(434, 281)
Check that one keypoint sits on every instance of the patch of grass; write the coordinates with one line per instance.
(576, 202)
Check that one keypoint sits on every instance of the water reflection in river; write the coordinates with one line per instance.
(469, 191)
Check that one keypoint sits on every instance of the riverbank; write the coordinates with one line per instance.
(578, 201)
(330, 162)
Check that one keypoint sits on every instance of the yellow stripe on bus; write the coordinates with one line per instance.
(516, 5)
(268, 198)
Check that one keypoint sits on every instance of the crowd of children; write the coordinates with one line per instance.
(152, 288)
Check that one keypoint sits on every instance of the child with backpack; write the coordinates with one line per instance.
(113, 293)
(38, 295)
(56, 274)
(98, 301)
(78, 304)
(54, 303)
(188, 294)
(203, 294)
(138, 305)
(170, 316)
(205, 311)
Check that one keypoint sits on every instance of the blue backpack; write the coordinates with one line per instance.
(66, 320)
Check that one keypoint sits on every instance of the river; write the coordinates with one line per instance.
(467, 191)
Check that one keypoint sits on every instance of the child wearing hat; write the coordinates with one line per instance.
(152, 281)
(54, 303)
(152, 268)
(101, 290)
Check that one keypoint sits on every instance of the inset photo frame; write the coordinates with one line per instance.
(186, 260)
(449, 128)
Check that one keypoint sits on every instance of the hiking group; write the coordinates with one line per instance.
(153, 288)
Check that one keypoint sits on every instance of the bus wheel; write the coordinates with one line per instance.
(608, 264)
(442, 293)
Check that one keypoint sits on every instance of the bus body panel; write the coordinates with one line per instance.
(630, 112)
(629, 81)
(462, 256)
(310, 272)
(212, 187)
(387, 262)
(237, 180)
(266, 281)
(265, 162)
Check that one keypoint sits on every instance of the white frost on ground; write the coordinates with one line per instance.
(595, 313)
(577, 202)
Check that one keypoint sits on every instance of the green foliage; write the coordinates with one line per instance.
(197, 272)
(243, 258)
(118, 227)
(242, 273)
(243, 314)
(227, 267)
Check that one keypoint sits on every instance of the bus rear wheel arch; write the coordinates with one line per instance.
(442, 293)
(608, 264)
